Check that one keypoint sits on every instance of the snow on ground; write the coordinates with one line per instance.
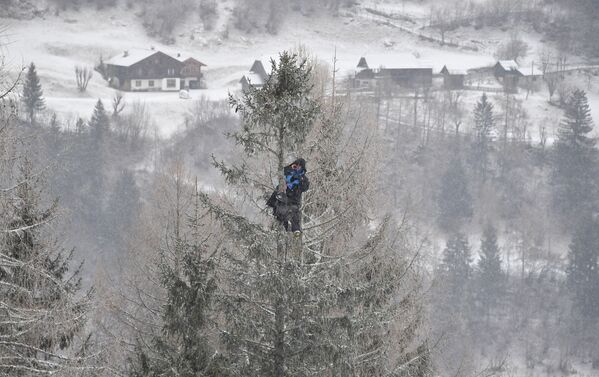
(57, 43)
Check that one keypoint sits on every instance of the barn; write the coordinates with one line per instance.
(508, 73)
(453, 78)
(402, 70)
(152, 70)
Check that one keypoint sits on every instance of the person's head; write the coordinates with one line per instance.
(299, 164)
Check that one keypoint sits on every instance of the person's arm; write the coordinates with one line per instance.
(272, 201)
(305, 183)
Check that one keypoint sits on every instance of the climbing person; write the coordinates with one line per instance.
(287, 200)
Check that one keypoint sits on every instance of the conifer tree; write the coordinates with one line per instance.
(93, 169)
(454, 199)
(574, 161)
(489, 276)
(182, 348)
(42, 311)
(451, 301)
(327, 304)
(456, 270)
(32, 93)
(484, 125)
(583, 268)
(99, 125)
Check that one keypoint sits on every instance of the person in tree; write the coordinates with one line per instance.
(287, 200)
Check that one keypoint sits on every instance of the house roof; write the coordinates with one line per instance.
(509, 65)
(454, 70)
(183, 57)
(252, 78)
(392, 61)
(129, 57)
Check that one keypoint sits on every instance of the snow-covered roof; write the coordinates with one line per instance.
(266, 62)
(130, 57)
(455, 70)
(509, 65)
(253, 78)
(393, 61)
(182, 57)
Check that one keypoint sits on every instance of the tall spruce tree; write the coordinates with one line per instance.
(42, 309)
(183, 348)
(32, 94)
(328, 303)
(575, 158)
(484, 125)
(489, 276)
(456, 270)
(583, 268)
(94, 162)
(454, 199)
(451, 302)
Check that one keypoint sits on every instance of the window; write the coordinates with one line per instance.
(137, 82)
(171, 83)
(151, 83)
(171, 71)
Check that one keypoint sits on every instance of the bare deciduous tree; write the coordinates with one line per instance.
(118, 104)
(83, 75)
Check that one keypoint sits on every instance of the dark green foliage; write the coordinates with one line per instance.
(32, 94)
(583, 268)
(490, 280)
(574, 160)
(328, 305)
(484, 125)
(454, 199)
(277, 117)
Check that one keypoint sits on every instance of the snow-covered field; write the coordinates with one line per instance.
(59, 42)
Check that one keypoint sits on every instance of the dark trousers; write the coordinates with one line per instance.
(289, 213)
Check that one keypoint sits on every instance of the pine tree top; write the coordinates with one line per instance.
(457, 254)
(490, 258)
(32, 91)
(577, 122)
(280, 114)
(484, 120)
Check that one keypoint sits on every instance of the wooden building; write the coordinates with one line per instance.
(453, 78)
(508, 73)
(151, 70)
(402, 70)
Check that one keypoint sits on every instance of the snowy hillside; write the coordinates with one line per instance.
(59, 42)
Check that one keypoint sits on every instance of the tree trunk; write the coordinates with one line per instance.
(279, 340)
